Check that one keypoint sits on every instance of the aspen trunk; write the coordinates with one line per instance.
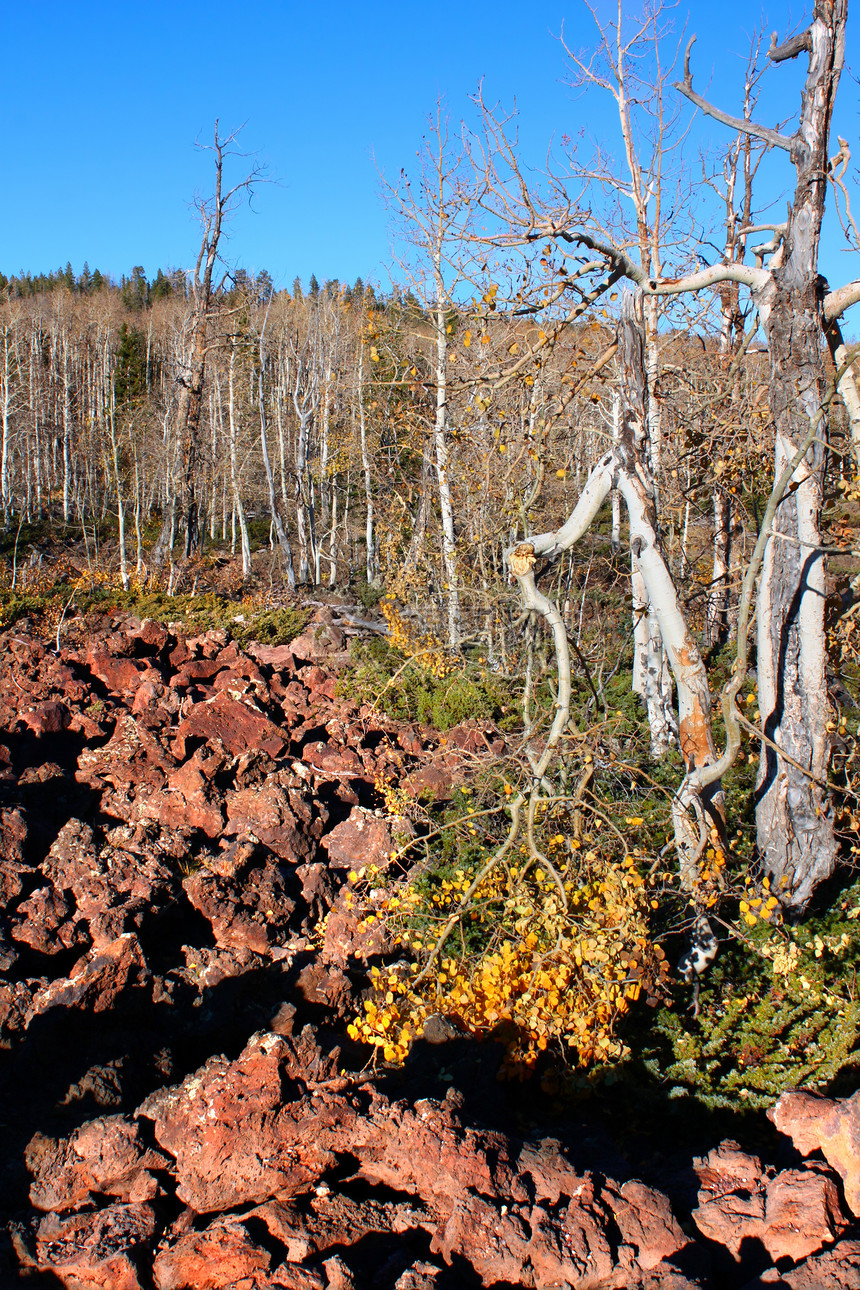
(794, 814)
(446, 509)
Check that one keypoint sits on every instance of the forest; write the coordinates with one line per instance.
(586, 469)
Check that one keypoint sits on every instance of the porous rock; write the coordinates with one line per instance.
(831, 1126)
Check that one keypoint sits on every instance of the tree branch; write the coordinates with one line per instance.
(771, 137)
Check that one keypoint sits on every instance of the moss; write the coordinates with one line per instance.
(195, 613)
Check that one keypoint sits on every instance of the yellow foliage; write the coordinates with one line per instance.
(529, 972)
(428, 651)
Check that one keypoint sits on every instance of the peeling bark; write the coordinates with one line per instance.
(794, 816)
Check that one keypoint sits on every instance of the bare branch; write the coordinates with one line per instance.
(712, 276)
(736, 123)
(840, 299)
(799, 44)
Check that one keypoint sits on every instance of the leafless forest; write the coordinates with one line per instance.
(581, 431)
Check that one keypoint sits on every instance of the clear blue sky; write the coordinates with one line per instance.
(102, 102)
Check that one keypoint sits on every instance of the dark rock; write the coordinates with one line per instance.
(95, 1250)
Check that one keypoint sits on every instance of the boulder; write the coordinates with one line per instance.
(831, 1126)
(105, 1157)
(791, 1215)
(97, 1251)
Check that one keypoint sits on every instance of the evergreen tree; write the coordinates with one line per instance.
(135, 290)
(265, 286)
(160, 288)
(313, 287)
(297, 292)
(130, 365)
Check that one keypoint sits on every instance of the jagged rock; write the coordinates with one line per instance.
(119, 675)
(235, 724)
(267, 812)
(16, 1008)
(96, 981)
(792, 1215)
(236, 1139)
(93, 894)
(835, 1269)
(46, 922)
(253, 913)
(94, 1250)
(103, 1157)
(224, 1256)
(49, 718)
(13, 865)
(830, 1126)
(361, 839)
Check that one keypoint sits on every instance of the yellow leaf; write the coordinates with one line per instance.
(467, 339)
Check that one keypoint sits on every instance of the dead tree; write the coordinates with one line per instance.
(214, 211)
(697, 806)
(794, 810)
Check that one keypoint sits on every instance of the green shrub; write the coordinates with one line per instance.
(406, 691)
(780, 1012)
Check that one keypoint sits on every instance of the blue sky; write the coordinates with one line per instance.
(102, 102)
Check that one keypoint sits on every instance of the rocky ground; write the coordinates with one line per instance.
(181, 1106)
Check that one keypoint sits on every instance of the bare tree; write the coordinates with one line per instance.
(213, 211)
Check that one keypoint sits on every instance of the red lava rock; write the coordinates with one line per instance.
(103, 1157)
(237, 725)
(189, 799)
(421, 1276)
(147, 695)
(279, 657)
(830, 1126)
(326, 987)
(334, 759)
(94, 894)
(803, 1213)
(131, 757)
(119, 675)
(348, 937)
(154, 636)
(97, 1249)
(319, 681)
(195, 669)
(266, 811)
(97, 981)
(321, 641)
(13, 840)
(792, 1215)
(235, 1139)
(362, 839)
(16, 1008)
(254, 913)
(46, 922)
(47, 718)
(835, 1269)
(476, 737)
(338, 1274)
(221, 1257)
